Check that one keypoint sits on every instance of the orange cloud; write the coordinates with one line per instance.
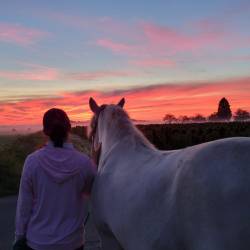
(143, 103)
(20, 35)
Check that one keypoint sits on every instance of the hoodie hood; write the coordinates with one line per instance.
(59, 163)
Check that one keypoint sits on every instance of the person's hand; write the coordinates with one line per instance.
(20, 243)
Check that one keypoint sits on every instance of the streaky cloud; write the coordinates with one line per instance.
(20, 35)
(143, 103)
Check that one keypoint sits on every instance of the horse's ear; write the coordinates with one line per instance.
(121, 102)
(93, 105)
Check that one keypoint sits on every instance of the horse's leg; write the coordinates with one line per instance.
(108, 241)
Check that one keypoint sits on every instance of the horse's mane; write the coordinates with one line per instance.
(118, 123)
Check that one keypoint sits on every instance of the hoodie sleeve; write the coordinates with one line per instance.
(25, 199)
(89, 177)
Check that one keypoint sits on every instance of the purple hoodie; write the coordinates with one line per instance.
(50, 208)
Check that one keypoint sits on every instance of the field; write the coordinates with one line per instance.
(14, 149)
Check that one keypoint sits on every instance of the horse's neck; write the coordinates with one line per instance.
(110, 140)
(128, 143)
(108, 146)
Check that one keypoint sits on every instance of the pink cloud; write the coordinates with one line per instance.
(95, 75)
(115, 46)
(157, 40)
(163, 38)
(175, 40)
(44, 73)
(36, 73)
(17, 34)
(158, 62)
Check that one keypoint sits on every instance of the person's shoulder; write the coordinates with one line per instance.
(31, 161)
(85, 162)
(32, 157)
(81, 157)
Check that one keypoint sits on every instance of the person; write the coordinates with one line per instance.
(50, 209)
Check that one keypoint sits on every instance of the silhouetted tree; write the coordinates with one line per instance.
(169, 118)
(198, 118)
(184, 118)
(213, 117)
(224, 110)
(241, 115)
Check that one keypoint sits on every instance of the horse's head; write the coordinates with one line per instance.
(96, 125)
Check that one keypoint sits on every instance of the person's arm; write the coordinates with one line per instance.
(25, 200)
(90, 174)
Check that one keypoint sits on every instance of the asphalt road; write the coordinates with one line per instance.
(7, 218)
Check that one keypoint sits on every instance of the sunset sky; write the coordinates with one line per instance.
(172, 56)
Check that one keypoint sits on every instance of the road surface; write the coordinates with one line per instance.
(7, 218)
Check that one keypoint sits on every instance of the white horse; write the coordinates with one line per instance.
(197, 198)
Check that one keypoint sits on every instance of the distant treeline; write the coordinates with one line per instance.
(224, 113)
(176, 136)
